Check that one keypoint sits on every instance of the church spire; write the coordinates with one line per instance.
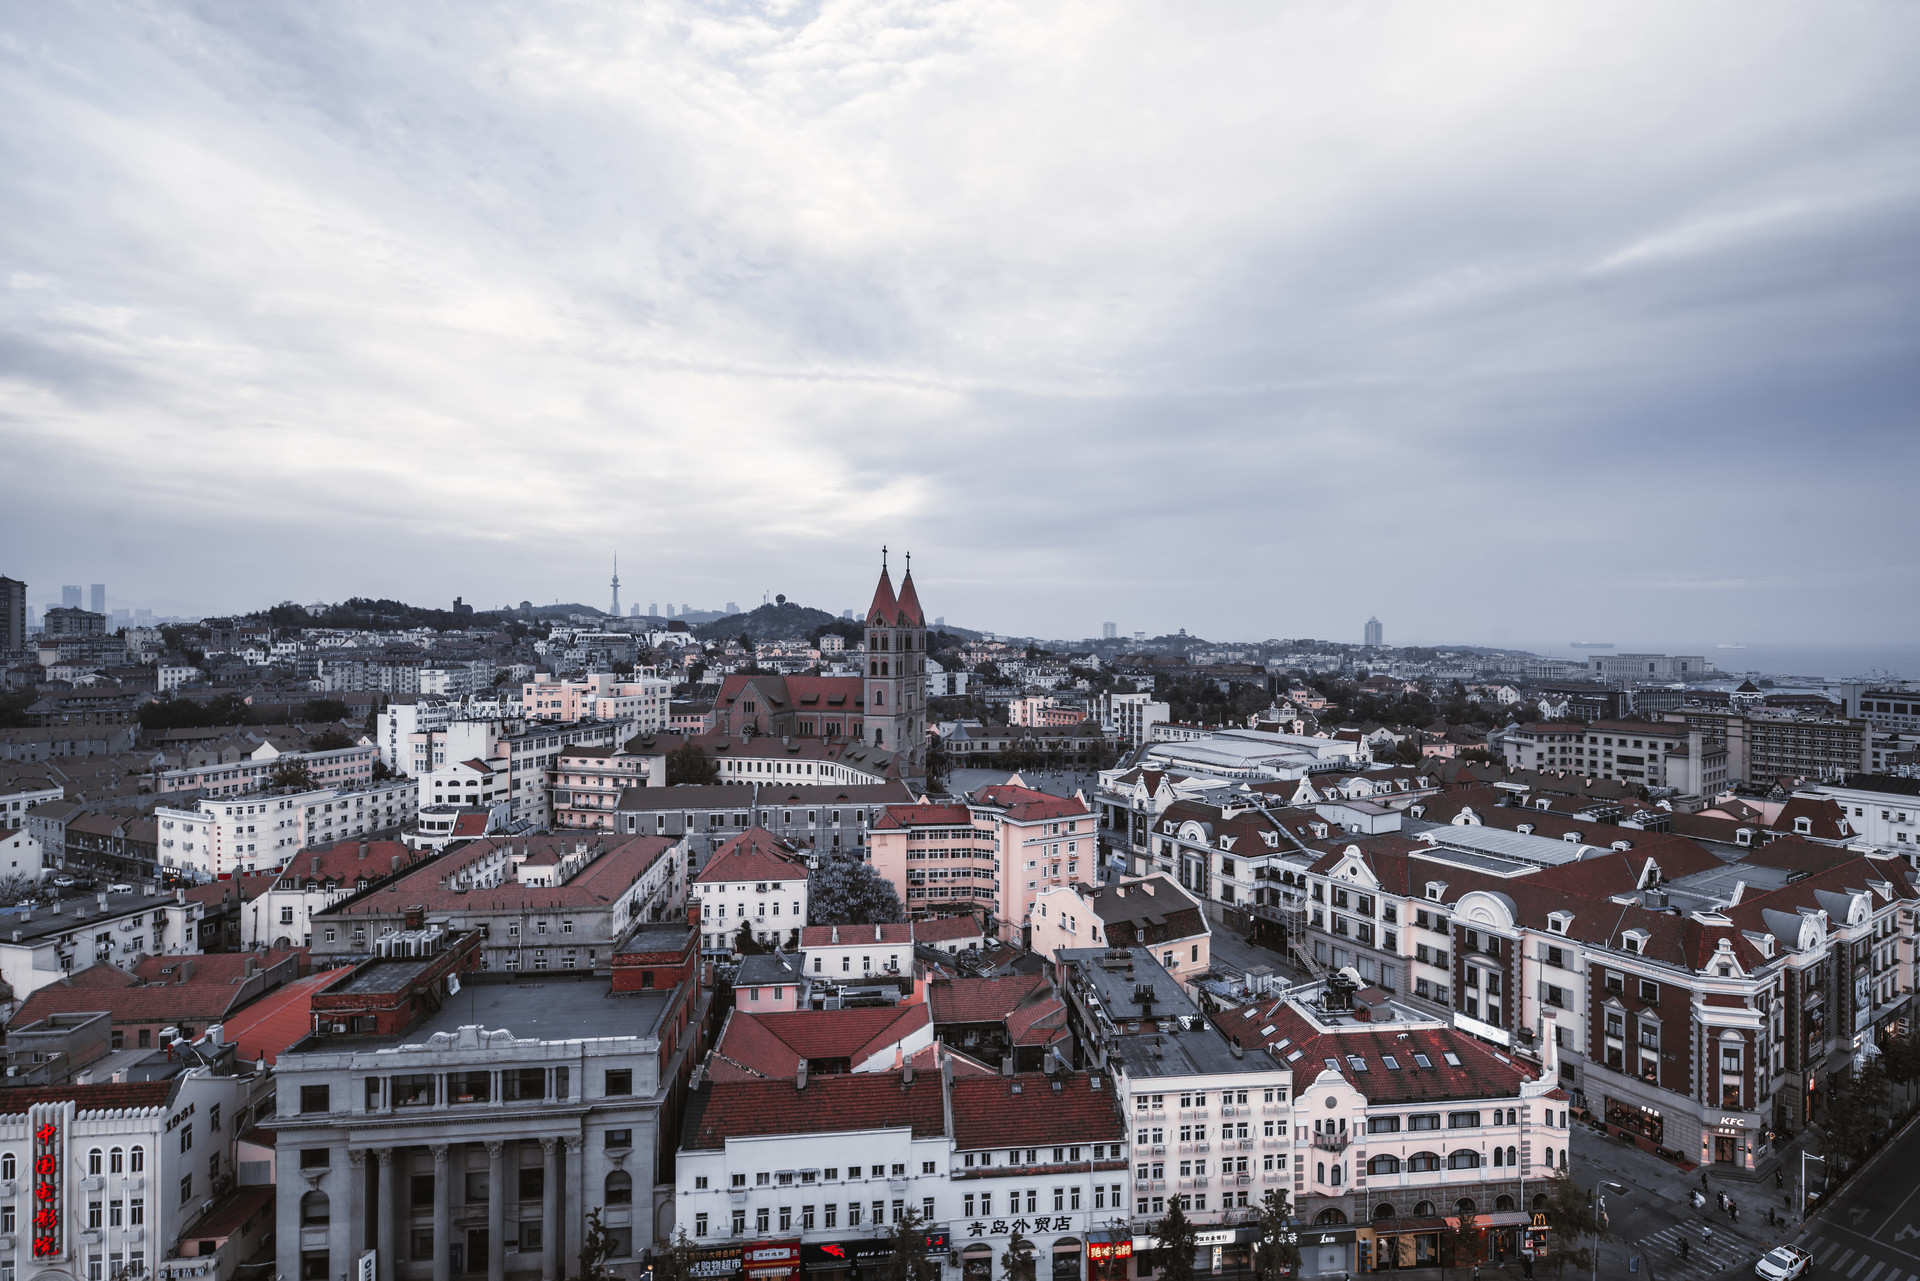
(884, 606)
(910, 610)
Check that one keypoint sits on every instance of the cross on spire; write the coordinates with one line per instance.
(883, 557)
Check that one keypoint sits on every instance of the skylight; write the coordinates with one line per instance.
(1422, 1060)
(1268, 1031)
(1453, 1060)
(1249, 1012)
(1392, 1063)
(1294, 1057)
(1283, 1043)
(1359, 1064)
(1333, 1065)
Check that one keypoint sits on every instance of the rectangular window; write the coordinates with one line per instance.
(315, 1098)
(619, 1081)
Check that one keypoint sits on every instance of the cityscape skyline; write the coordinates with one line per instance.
(1638, 360)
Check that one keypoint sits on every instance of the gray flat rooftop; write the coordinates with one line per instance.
(391, 975)
(555, 1009)
(1715, 885)
(1542, 851)
(1150, 1040)
(68, 920)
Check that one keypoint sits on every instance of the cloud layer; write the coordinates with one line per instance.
(1256, 319)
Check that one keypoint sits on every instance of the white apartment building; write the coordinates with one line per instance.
(131, 1167)
(23, 796)
(1132, 716)
(260, 832)
(43, 946)
(641, 699)
(336, 767)
(469, 782)
(1890, 820)
(170, 678)
(755, 880)
(20, 853)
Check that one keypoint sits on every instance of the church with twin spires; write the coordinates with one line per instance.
(884, 709)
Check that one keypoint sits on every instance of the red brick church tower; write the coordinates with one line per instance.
(896, 685)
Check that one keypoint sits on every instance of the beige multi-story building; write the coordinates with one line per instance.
(641, 699)
(1687, 758)
(1764, 746)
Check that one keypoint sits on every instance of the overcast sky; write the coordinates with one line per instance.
(1500, 322)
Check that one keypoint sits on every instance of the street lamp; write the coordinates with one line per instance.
(1805, 1157)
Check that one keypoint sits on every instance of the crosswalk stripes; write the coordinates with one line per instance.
(1825, 1250)
(1704, 1259)
(1835, 1258)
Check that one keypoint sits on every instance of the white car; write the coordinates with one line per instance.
(1782, 1263)
(118, 888)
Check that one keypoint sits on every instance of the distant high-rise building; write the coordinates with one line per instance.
(1375, 633)
(653, 608)
(13, 615)
(685, 609)
(1109, 631)
(846, 613)
(615, 611)
(732, 608)
(940, 621)
(1139, 636)
(100, 598)
(70, 596)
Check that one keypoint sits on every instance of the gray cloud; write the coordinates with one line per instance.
(1254, 319)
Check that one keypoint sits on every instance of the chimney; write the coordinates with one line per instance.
(876, 933)
(1006, 1065)
(316, 865)
(1550, 1052)
(1147, 886)
(906, 1074)
(363, 849)
(103, 900)
(836, 933)
(184, 970)
(800, 1076)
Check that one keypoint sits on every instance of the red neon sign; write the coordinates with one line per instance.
(46, 1192)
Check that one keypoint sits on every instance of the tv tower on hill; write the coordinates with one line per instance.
(616, 584)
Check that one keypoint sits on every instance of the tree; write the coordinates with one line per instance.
(1462, 1239)
(295, 774)
(910, 1260)
(596, 1247)
(1017, 1263)
(675, 1263)
(330, 740)
(1178, 1238)
(846, 891)
(690, 765)
(380, 770)
(1901, 1054)
(324, 709)
(1572, 1218)
(745, 943)
(17, 889)
(1276, 1242)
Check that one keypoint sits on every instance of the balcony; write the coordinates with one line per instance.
(1338, 1141)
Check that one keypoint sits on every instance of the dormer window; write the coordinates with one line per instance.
(1633, 942)
(1803, 826)
(1743, 837)
(1435, 889)
(1557, 922)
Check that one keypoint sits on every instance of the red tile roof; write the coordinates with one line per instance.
(1000, 1112)
(910, 602)
(1482, 1073)
(771, 1046)
(830, 1104)
(268, 1027)
(602, 881)
(105, 1097)
(945, 929)
(924, 814)
(342, 862)
(982, 1000)
(754, 855)
(1024, 805)
(215, 967)
(885, 607)
(898, 934)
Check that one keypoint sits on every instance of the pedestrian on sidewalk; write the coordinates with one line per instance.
(1733, 1211)
(1779, 1180)
(1703, 1182)
(1686, 1249)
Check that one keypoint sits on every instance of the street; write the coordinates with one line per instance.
(1650, 1215)
(1871, 1230)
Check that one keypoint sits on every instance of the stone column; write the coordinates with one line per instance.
(550, 1214)
(389, 1260)
(577, 1198)
(356, 1204)
(442, 1215)
(496, 1213)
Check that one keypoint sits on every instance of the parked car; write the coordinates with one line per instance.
(119, 887)
(1782, 1263)
(65, 882)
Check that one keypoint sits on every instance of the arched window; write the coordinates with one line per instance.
(1513, 1116)
(1499, 1156)
(1320, 1172)
(619, 1188)
(93, 1161)
(1548, 1153)
(1463, 1159)
(1337, 1171)
(1383, 1211)
(136, 1159)
(116, 1162)
(1503, 1203)
(1513, 1156)
(7, 1168)
(879, 697)
(1330, 1216)
(1463, 1206)
(1539, 1200)
(313, 1210)
(1423, 1161)
(1384, 1165)
(1563, 1158)
(1426, 1210)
